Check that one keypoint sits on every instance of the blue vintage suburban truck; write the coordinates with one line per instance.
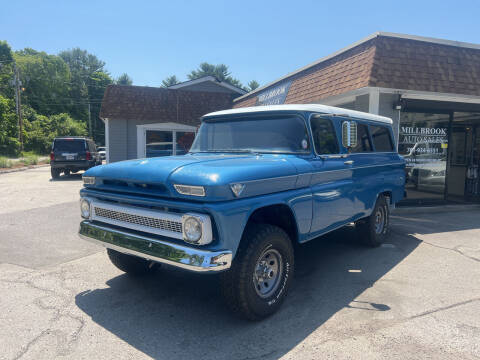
(256, 182)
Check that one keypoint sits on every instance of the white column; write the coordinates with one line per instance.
(374, 101)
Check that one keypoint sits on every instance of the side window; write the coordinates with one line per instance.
(363, 140)
(381, 138)
(324, 136)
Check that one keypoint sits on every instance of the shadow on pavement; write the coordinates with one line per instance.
(178, 315)
(71, 177)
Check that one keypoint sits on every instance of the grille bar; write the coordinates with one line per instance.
(156, 222)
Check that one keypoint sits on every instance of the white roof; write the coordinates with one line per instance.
(324, 109)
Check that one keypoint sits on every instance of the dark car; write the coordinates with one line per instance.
(72, 154)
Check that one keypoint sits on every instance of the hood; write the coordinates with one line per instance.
(260, 174)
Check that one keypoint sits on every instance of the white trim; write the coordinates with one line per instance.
(173, 127)
(208, 79)
(406, 94)
(357, 43)
(107, 140)
(304, 107)
(374, 101)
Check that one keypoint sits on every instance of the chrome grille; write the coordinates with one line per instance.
(161, 224)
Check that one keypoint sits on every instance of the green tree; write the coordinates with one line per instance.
(170, 81)
(9, 144)
(89, 81)
(6, 70)
(124, 79)
(45, 81)
(82, 65)
(220, 72)
(252, 85)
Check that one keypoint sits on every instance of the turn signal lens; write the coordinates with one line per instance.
(52, 156)
(88, 180)
(190, 190)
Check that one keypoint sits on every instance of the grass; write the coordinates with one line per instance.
(5, 162)
(28, 158)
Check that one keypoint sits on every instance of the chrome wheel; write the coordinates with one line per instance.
(380, 220)
(268, 273)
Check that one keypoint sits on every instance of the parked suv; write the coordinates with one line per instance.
(256, 182)
(71, 154)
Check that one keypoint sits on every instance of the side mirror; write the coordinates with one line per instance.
(349, 134)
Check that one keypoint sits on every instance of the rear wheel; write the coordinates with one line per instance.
(132, 265)
(261, 274)
(55, 173)
(373, 230)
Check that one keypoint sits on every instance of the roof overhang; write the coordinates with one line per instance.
(357, 43)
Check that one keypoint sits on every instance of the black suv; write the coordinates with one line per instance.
(71, 154)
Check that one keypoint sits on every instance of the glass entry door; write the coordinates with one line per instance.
(423, 142)
(463, 183)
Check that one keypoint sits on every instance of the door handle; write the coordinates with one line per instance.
(348, 162)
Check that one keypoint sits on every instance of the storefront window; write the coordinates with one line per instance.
(423, 142)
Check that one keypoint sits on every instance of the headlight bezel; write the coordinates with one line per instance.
(190, 190)
(206, 236)
(83, 212)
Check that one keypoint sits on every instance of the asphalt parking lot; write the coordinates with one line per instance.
(417, 297)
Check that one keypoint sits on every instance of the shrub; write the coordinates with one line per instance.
(30, 160)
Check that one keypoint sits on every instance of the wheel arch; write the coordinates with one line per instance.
(278, 214)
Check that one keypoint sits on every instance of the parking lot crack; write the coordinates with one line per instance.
(455, 249)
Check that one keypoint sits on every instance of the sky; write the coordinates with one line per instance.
(261, 40)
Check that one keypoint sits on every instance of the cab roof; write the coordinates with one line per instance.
(324, 109)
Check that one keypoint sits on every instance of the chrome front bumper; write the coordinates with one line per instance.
(156, 250)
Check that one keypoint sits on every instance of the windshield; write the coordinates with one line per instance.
(286, 134)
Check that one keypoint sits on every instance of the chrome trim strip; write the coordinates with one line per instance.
(188, 258)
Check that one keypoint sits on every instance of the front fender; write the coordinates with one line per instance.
(232, 217)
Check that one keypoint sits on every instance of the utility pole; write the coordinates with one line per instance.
(90, 132)
(18, 104)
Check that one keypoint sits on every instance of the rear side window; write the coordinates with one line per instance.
(69, 145)
(363, 140)
(381, 138)
(324, 136)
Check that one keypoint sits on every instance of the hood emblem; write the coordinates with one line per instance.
(237, 189)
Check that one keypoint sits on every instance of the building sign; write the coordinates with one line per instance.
(274, 96)
(421, 141)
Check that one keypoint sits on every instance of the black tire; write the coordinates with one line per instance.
(66, 172)
(240, 283)
(132, 265)
(55, 173)
(373, 230)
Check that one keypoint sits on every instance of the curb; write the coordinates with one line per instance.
(435, 209)
(22, 168)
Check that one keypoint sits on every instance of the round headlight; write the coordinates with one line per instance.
(85, 208)
(192, 229)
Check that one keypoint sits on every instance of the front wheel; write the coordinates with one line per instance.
(373, 230)
(261, 274)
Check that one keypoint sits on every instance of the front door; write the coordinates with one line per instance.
(332, 184)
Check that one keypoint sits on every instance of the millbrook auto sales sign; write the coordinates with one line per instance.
(274, 96)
